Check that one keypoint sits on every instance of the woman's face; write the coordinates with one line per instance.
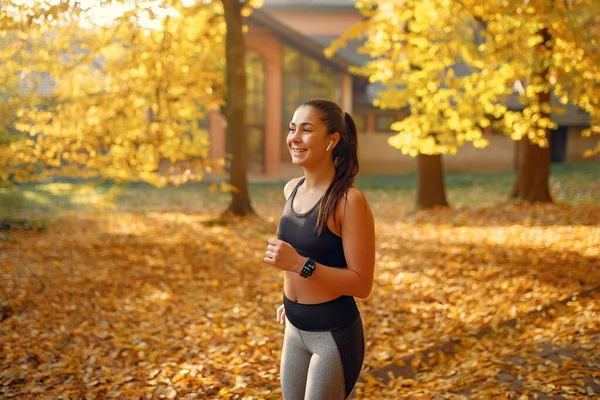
(307, 139)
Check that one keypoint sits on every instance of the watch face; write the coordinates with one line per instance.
(308, 268)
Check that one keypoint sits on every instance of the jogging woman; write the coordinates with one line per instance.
(325, 247)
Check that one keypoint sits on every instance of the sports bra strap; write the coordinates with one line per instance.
(293, 194)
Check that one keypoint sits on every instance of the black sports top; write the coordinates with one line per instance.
(300, 231)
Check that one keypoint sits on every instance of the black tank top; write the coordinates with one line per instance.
(300, 231)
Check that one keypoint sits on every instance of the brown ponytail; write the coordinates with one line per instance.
(345, 157)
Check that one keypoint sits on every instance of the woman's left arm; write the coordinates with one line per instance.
(358, 238)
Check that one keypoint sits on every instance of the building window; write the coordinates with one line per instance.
(304, 78)
(384, 122)
(558, 144)
(359, 121)
(385, 119)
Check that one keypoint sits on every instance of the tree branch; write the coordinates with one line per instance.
(482, 23)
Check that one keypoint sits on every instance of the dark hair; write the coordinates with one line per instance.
(345, 156)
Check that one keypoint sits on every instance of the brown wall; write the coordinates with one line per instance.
(271, 50)
(377, 156)
(346, 93)
(217, 129)
(312, 23)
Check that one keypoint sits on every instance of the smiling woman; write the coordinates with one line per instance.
(325, 246)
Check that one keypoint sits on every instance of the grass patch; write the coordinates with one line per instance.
(574, 183)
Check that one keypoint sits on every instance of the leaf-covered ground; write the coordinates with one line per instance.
(172, 303)
(548, 355)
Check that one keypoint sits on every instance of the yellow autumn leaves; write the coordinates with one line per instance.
(454, 63)
(123, 98)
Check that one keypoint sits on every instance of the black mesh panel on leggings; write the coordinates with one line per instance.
(351, 345)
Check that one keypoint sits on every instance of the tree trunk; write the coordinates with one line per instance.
(533, 168)
(235, 51)
(431, 191)
(533, 172)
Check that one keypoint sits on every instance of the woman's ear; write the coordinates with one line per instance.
(333, 141)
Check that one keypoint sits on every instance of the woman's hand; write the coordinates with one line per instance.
(281, 314)
(283, 256)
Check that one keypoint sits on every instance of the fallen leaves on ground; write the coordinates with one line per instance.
(172, 305)
(546, 356)
(449, 272)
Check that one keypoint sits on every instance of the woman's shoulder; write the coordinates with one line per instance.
(289, 187)
(355, 196)
(353, 200)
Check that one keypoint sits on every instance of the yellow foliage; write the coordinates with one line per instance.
(455, 63)
(121, 97)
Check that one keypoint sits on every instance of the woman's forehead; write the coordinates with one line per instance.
(306, 114)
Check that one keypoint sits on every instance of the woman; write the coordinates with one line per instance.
(326, 248)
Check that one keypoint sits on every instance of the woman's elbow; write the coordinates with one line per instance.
(364, 291)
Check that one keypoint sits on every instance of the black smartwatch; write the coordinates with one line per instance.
(308, 268)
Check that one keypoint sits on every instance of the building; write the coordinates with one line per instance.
(286, 67)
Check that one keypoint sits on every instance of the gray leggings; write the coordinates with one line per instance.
(321, 365)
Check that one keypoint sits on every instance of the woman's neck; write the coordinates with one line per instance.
(319, 178)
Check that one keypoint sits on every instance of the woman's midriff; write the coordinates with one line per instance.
(302, 290)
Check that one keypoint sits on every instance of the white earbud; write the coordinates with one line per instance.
(329, 145)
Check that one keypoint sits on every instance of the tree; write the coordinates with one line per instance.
(15, 19)
(125, 92)
(454, 63)
(235, 50)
